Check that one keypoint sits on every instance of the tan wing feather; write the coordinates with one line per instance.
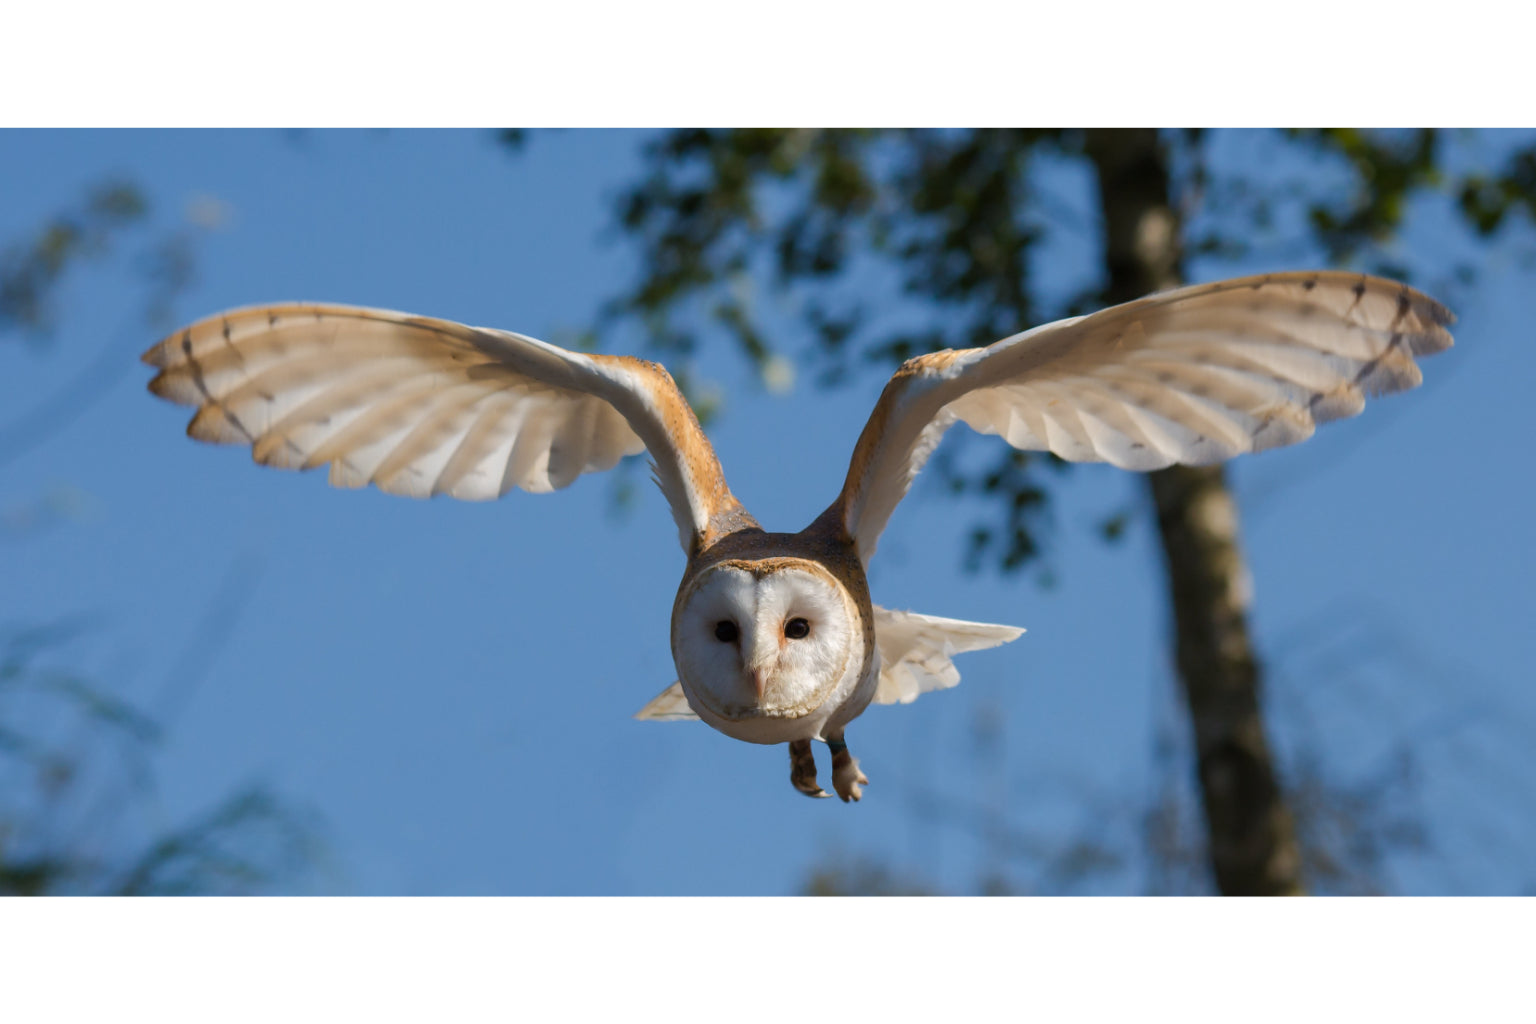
(1194, 376)
(420, 406)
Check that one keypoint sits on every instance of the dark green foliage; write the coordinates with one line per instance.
(1487, 200)
(31, 271)
(952, 213)
(950, 209)
(1386, 170)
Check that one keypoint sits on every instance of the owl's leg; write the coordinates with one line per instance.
(802, 769)
(846, 775)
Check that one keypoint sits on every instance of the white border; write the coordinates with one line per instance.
(794, 61)
(767, 959)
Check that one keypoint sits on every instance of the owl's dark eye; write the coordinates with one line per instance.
(725, 631)
(797, 629)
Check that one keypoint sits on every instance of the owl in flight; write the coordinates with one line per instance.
(774, 635)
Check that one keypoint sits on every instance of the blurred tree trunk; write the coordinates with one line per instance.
(1251, 835)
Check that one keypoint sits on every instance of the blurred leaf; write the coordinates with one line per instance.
(861, 878)
(951, 210)
(32, 271)
(1112, 528)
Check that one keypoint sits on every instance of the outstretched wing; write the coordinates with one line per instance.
(420, 406)
(915, 651)
(1194, 376)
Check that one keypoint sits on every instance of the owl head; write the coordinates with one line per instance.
(763, 638)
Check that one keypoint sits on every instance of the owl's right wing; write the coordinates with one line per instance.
(670, 705)
(420, 406)
(1193, 376)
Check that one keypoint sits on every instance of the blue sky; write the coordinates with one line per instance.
(449, 686)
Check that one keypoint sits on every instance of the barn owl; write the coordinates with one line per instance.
(774, 635)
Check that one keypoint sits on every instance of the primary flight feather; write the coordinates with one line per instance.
(774, 635)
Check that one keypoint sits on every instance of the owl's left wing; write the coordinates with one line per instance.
(420, 406)
(1194, 375)
(916, 651)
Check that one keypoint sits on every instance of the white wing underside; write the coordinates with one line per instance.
(915, 657)
(419, 406)
(670, 705)
(916, 651)
(1192, 376)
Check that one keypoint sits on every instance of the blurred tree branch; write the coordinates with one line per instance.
(74, 754)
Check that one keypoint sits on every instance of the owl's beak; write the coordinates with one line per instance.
(759, 668)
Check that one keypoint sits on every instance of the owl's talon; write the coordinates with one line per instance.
(849, 789)
(802, 769)
(846, 774)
